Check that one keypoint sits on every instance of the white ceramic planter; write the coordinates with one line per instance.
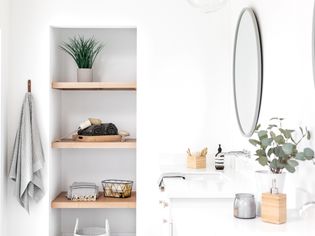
(264, 180)
(84, 75)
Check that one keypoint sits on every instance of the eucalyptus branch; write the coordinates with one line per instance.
(282, 147)
(300, 139)
(293, 141)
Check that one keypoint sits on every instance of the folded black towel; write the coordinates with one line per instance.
(102, 129)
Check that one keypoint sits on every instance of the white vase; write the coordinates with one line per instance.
(265, 178)
(84, 75)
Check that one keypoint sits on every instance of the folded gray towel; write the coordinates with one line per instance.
(82, 191)
(28, 157)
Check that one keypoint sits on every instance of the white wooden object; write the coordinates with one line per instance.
(91, 231)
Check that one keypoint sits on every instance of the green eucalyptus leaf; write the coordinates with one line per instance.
(280, 165)
(283, 157)
(273, 164)
(286, 133)
(266, 142)
(270, 152)
(263, 160)
(272, 134)
(308, 136)
(276, 164)
(257, 127)
(279, 139)
(288, 148)
(308, 158)
(289, 168)
(254, 142)
(300, 156)
(262, 134)
(260, 152)
(295, 151)
(279, 152)
(308, 153)
(281, 119)
(272, 126)
(282, 131)
(293, 163)
(301, 130)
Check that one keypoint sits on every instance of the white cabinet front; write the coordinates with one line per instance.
(202, 217)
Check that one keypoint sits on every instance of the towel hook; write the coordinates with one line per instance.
(29, 86)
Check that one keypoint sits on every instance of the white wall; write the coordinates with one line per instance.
(180, 53)
(288, 86)
(184, 96)
(4, 34)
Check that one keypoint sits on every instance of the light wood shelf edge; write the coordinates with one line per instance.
(69, 143)
(62, 202)
(94, 85)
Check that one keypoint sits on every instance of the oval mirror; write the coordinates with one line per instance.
(247, 72)
(313, 42)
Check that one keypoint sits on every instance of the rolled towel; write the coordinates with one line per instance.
(95, 121)
(102, 129)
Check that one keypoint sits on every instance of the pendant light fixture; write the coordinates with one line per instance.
(208, 6)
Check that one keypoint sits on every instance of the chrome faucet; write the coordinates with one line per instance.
(168, 175)
(243, 153)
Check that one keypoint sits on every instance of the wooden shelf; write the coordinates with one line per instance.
(62, 202)
(69, 143)
(94, 85)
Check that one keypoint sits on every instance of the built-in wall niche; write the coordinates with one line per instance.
(111, 97)
(116, 62)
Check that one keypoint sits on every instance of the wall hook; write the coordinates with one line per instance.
(29, 86)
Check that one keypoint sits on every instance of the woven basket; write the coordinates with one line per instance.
(117, 188)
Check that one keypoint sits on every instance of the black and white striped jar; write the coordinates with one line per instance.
(219, 162)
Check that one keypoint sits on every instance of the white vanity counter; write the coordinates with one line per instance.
(295, 225)
(204, 217)
(203, 205)
(206, 183)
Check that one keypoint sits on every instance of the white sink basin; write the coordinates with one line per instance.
(210, 176)
(199, 185)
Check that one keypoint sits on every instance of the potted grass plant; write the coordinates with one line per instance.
(83, 52)
(279, 149)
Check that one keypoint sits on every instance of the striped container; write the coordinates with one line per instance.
(219, 162)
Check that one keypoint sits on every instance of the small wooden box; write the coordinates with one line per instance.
(196, 162)
(274, 208)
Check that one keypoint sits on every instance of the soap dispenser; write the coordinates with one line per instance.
(219, 159)
(273, 206)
